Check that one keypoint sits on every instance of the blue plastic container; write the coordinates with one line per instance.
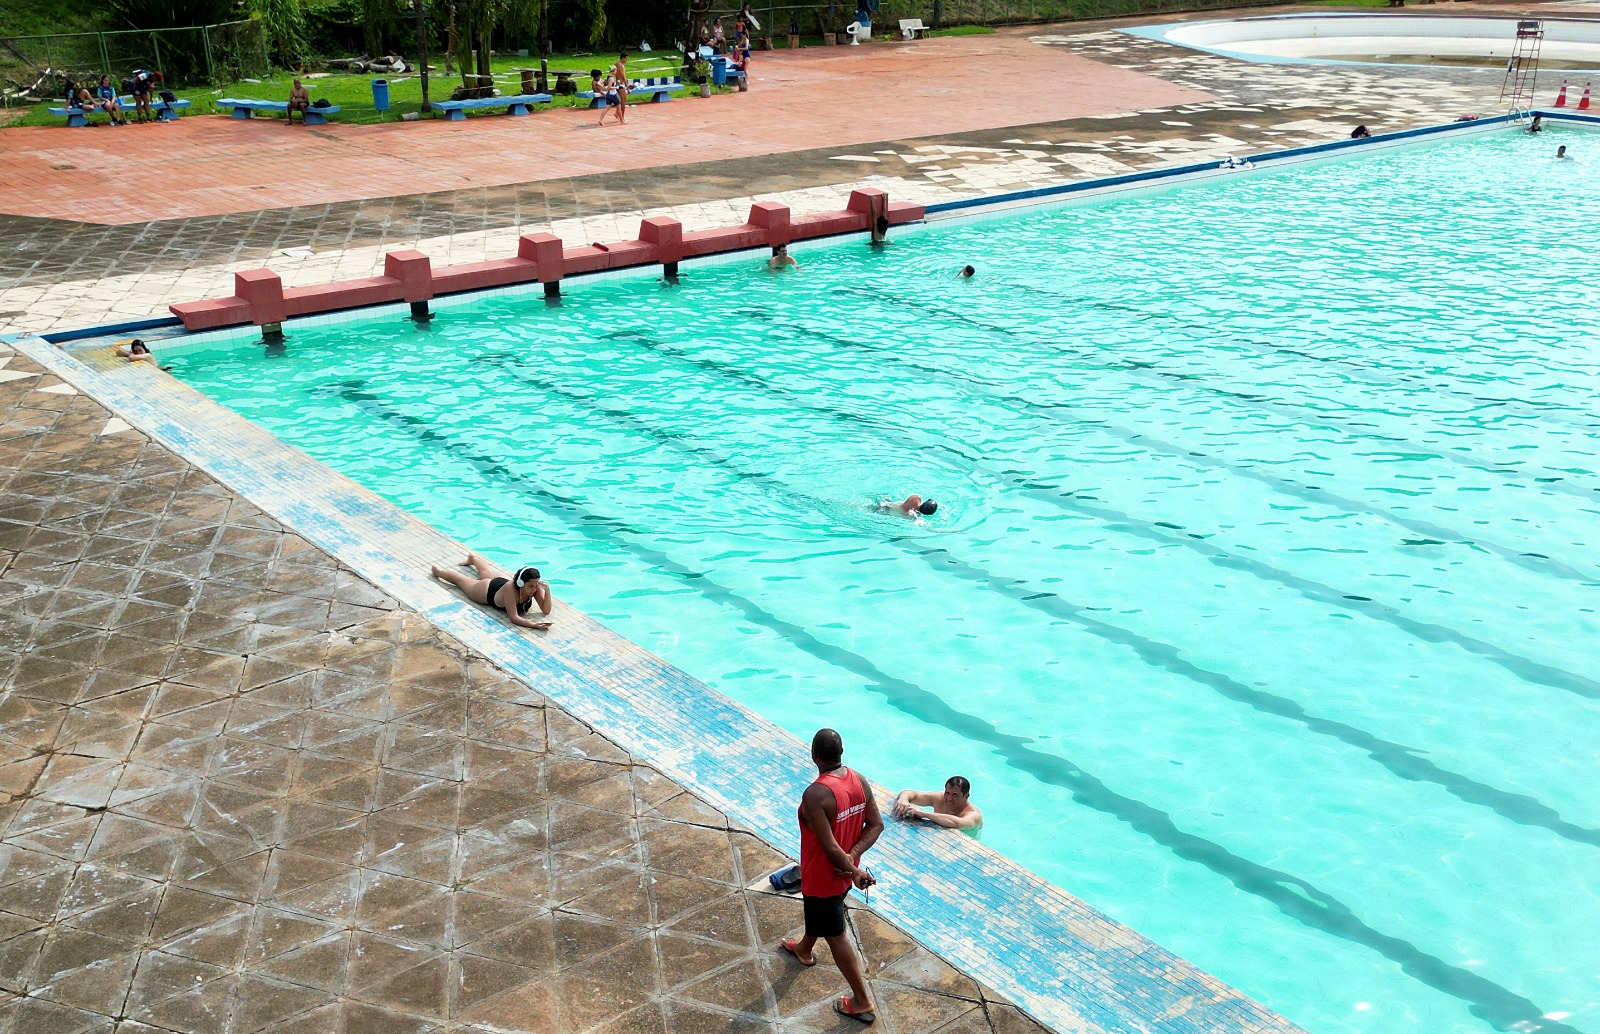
(380, 94)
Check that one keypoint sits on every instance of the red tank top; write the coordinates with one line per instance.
(817, 878)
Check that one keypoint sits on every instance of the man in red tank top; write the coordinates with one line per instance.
(839, 821)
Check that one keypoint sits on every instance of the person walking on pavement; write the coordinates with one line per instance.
(839, 822)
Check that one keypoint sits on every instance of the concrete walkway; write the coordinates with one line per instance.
(798, 99)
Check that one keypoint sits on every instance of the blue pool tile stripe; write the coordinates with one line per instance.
(1061, 961)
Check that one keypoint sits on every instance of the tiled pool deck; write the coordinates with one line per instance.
(251, 790)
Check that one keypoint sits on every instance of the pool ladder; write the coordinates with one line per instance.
(1522, 71)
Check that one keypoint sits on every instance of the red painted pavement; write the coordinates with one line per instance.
(816, 97)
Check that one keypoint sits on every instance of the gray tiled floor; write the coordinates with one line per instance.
(244, 791)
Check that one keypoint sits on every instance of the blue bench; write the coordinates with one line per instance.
(243, 108)
(455, 111)
(165, 112)
(659, 89)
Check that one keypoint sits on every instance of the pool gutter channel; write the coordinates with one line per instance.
(1059, 960)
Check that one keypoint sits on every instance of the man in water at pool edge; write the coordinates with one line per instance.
(839, 821)
(952, 809)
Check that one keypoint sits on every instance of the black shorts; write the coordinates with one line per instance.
(825, 916)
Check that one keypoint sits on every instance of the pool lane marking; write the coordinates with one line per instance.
(1398, 759)
(1295, 897)
(1150, 371)
(1368, 372)
(1069, 414)
(1038, 489)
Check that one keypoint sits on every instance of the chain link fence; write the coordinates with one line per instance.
(193, 56)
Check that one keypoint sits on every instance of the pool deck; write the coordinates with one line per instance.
(251, 788)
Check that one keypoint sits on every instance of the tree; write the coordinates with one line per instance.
(285, 22)
(422, 50)
(476, 22)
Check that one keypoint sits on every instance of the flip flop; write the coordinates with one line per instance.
(788, 945)
(842, 1007)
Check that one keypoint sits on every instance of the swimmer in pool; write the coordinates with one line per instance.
(780, 258)
(136, 351)
(967, 273)
(1561, 152)
(494, 588)
(914, 506)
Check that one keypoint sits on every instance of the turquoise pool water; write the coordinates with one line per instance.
(1260, 604)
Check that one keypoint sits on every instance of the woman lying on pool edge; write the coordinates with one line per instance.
(496, 589)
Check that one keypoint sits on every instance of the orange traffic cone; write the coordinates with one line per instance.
(1583, 105)
(1561, 98)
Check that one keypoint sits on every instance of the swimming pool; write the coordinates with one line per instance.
(1397, 39)
(1259, 600)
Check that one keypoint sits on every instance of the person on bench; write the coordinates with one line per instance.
(79, 99)
(299, 101)
(106, 100)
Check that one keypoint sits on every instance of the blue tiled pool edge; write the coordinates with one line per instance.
(1053, 956)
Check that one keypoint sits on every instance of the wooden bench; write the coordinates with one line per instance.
(245, 108)
(660, 88)
(80, 116)
(456, 111)
(909, 27)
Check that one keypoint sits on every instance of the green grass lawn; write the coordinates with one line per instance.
(352, 94)
(39, 17)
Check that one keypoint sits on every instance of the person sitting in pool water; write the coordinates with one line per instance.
(494, 588)
(1561, 152)
(952, 809)
(780, 258)
(135, 351)
(913, 506)
(1537, 125)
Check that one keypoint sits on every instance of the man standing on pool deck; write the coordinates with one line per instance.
(839, 821)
